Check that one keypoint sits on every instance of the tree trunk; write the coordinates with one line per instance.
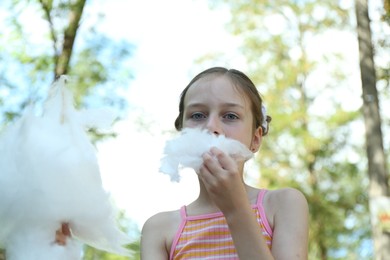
(379, 186)
(62, 64)
(62, 56)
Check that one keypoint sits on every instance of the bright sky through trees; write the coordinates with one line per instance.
(169, 36)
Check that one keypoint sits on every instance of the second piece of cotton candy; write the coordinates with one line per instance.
(186, 150)
(49, 175)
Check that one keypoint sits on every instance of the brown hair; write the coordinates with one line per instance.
(240, 80)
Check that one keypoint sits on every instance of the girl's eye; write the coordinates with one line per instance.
(197, 116)
(231, 116)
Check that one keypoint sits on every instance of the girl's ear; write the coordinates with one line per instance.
(256, 139)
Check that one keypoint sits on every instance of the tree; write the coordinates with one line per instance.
(310, 139)
(386, 7)
(37, 57)
(377, 165)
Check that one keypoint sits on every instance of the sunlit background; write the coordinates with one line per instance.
(170, 42)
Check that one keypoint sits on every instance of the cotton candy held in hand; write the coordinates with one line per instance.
(49, 175)
(186, 150)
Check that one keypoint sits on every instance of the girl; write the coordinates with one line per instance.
(229, 219)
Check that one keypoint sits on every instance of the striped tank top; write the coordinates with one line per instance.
(208, 237)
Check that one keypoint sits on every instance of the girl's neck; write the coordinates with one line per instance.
(204, 205)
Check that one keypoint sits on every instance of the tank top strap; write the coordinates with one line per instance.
(260, 197)
(183, 212)
(260, 207)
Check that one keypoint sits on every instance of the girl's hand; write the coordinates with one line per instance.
(223, 180)
(62, 234)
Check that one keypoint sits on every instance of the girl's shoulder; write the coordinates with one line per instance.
(281, 203)
(285, 196)
(160, 229)
(163, 220)
(157, 234)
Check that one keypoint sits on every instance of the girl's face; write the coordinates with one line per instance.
(214, 103)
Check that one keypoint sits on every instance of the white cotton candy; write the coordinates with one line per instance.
(186, 150)
(37, 243)
(49, 174)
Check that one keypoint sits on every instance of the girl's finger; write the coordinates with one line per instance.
(224, 161)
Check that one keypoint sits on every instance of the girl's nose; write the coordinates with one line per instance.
(214, 125)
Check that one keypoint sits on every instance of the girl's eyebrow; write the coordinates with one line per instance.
(195, 105)
(224, 105)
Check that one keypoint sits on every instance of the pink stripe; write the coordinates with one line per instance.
(208, 241)
(205, 250)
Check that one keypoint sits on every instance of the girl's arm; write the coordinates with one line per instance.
(223, 180)
(291, 224)
(153, 245)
